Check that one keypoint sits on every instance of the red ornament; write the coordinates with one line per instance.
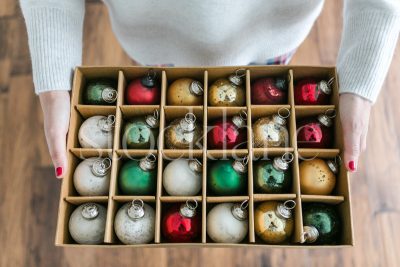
(143, 91)
(315, 132)
(269, 91)
(227, 134)
(310, 92)
(181, 223)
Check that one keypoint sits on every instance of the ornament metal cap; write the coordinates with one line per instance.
(101, 167)
(196, 88)
(279, 120)
(236, 78)
(152, 120)
(187, 124)
(106, 123)
(310, 234)
(90, 211)
(325, 86)
(188, 209)
(240, 165)
(282, 163)
(240, 119)
(195, 165)
(109, 95)
(280, 83)
(239, 210)
(325, 120)
(284, 210)
(136, 210)
(148, 163)
(333, 166)
(150, 79)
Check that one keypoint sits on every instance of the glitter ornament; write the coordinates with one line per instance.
(228, 92)
(271, 131)
(183, 133)
(185, 92)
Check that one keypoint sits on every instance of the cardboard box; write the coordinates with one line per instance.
(69, 198)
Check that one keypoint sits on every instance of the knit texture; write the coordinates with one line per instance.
(213, 32)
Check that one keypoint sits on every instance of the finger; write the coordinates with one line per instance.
(58, 153)
(352, 142)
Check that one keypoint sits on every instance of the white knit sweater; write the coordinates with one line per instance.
(213, 32)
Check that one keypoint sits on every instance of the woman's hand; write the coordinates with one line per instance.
(354, 114)
(56, 112)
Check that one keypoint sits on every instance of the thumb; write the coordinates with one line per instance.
(58, 153)
(352, 148)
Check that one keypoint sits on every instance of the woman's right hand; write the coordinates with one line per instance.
(56, 112)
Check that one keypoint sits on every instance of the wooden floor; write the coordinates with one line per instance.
(29, 192)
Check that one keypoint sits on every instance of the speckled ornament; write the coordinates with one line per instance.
(318, 177)
(270, 131)
(87, 224)
(228, 92)
(183, 133)
(97, 132)
(92, 177)
(134, 223)
(185, 92)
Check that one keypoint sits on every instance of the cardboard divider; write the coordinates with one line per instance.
(205, 115)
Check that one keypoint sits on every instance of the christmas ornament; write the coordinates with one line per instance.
(100, 92)
(273, 176)
(309, 91)
(181, 222)
(315, 132)
(92, 177)
(322, 224)
(228, 177)
(97, 132)
(271, 131)
(228, 133)
(227, 222)
(141, 132)
(228, 92)
(134, 223)
(273, 221)
(318, 177)
(269, 91)
(189, 180)
(87, 224)
(138, 177)
(183, 133)
(143, 91)
(185, 92)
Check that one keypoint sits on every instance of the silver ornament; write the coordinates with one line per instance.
(87, 223)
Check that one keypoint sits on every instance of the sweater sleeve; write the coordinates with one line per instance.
(55, 41)
(370, 32)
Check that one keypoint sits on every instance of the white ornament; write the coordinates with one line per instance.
(183, 177)
(92, 177)
(97, 132)
(227, 223)
(134, 223)
(87, 223)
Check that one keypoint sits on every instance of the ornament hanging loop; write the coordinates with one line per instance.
(192, 204)
(280, 113)
(240, 72)
(244, 205)
(90, 211)
(190, 118)
(243, 114)
(338, 160)
(189, 208)
(289, 204)
(106, 124)
(288, 157)
(151, 158)
(101, 167)
(330, 81)
(330, 113)
(245, 160)
(151, 74)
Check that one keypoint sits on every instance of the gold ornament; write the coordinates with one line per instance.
(228, 92)
(318, 177)
(273, 221)
(185, 92)
(270, 131)
(183, 133)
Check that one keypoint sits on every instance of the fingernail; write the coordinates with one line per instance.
(59, 171)
(352, 165)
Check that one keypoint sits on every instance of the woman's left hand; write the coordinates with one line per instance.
(354, 115)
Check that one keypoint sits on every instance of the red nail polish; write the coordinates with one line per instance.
(352, 165)
(59, 171)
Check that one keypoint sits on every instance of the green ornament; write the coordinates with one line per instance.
(100, 92)
(141, 132)
(322, 224)
(272, 176)
(138, 177)
(228, 177)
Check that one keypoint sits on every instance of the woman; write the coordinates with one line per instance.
(212, 32)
